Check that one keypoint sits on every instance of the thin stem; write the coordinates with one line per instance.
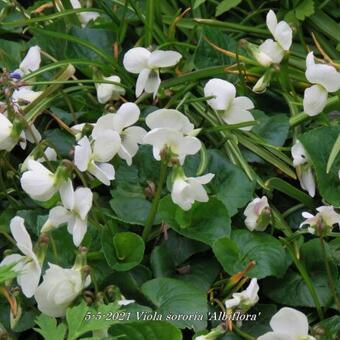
(242, 334)
(329, 274)
(155, 202)
(309, 283)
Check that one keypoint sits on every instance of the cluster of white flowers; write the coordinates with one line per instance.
(59, 287)
(12, 130)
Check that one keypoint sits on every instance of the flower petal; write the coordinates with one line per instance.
(79, 229)
(160, 58)
(299, 154)
(57, 216)
(168, 118)
(141, 81)
(67, 194)
(324, 75)
(103, 123)
(21, 236)
(104, 172)
(83, 201)
(152, 83)
(32, 60)
(136, 59)
(223, 91)
(29, 278)
(272, 51)
(132, 137)
(290, 321)
(307, 181)
(126, 115)
(283, 35)
(107, 91)
(82, 154)
(271, 22)
(236, 114)
(106, 146)
(205, 179)
(314, 100)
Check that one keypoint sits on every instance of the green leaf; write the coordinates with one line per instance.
(304, 9)
(319, 144)
(78, 325)
(226, 5)
(198, 3)
(131, 207)
(291, 290)
(204, 222)
(49, 329)
(173, 298)
(331, 326)
(244, 246)
(230, 184)
(148, 330)
(10, 54)
(206, 56)
(123, 250)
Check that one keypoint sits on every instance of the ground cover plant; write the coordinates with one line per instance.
(169, 169)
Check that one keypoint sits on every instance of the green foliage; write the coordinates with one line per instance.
(243, 247)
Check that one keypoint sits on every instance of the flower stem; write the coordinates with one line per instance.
(155, 202)
(244, 335)
(309, 283)
(329, 274)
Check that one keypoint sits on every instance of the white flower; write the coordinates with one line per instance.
(257, 214)
(246, 299)
(78, 130)
(50, 154)
(325, 79)
(120, 122)
(24, 95)
(59, 288)
(270, 51)
(234, 109)
(39, 182)
(323, 221)
(146, 64)
(171, 130)
(281, 31)
(105, 91)
(125, 302)
(186, 190)
(8, 138)
(28, 266)
(30, 63)
(288, 324)
(7, 142)
(76, 206)
(84, 17)
(303, 168)
(94, 158)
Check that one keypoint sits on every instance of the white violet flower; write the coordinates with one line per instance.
(76, 206)
(270, 51)
(39, 182)
(106, 92)
(325, 79)
(147, 64)
(120, 122)
(245, 299)
(171, 130)
(28, 266)
(233, 109)
(94, 158)
(288, 324)
(186, 190)
(84, 17)
(303, 168)
(58, 289)
(257, 214)
(322, 222)
(30, 63)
